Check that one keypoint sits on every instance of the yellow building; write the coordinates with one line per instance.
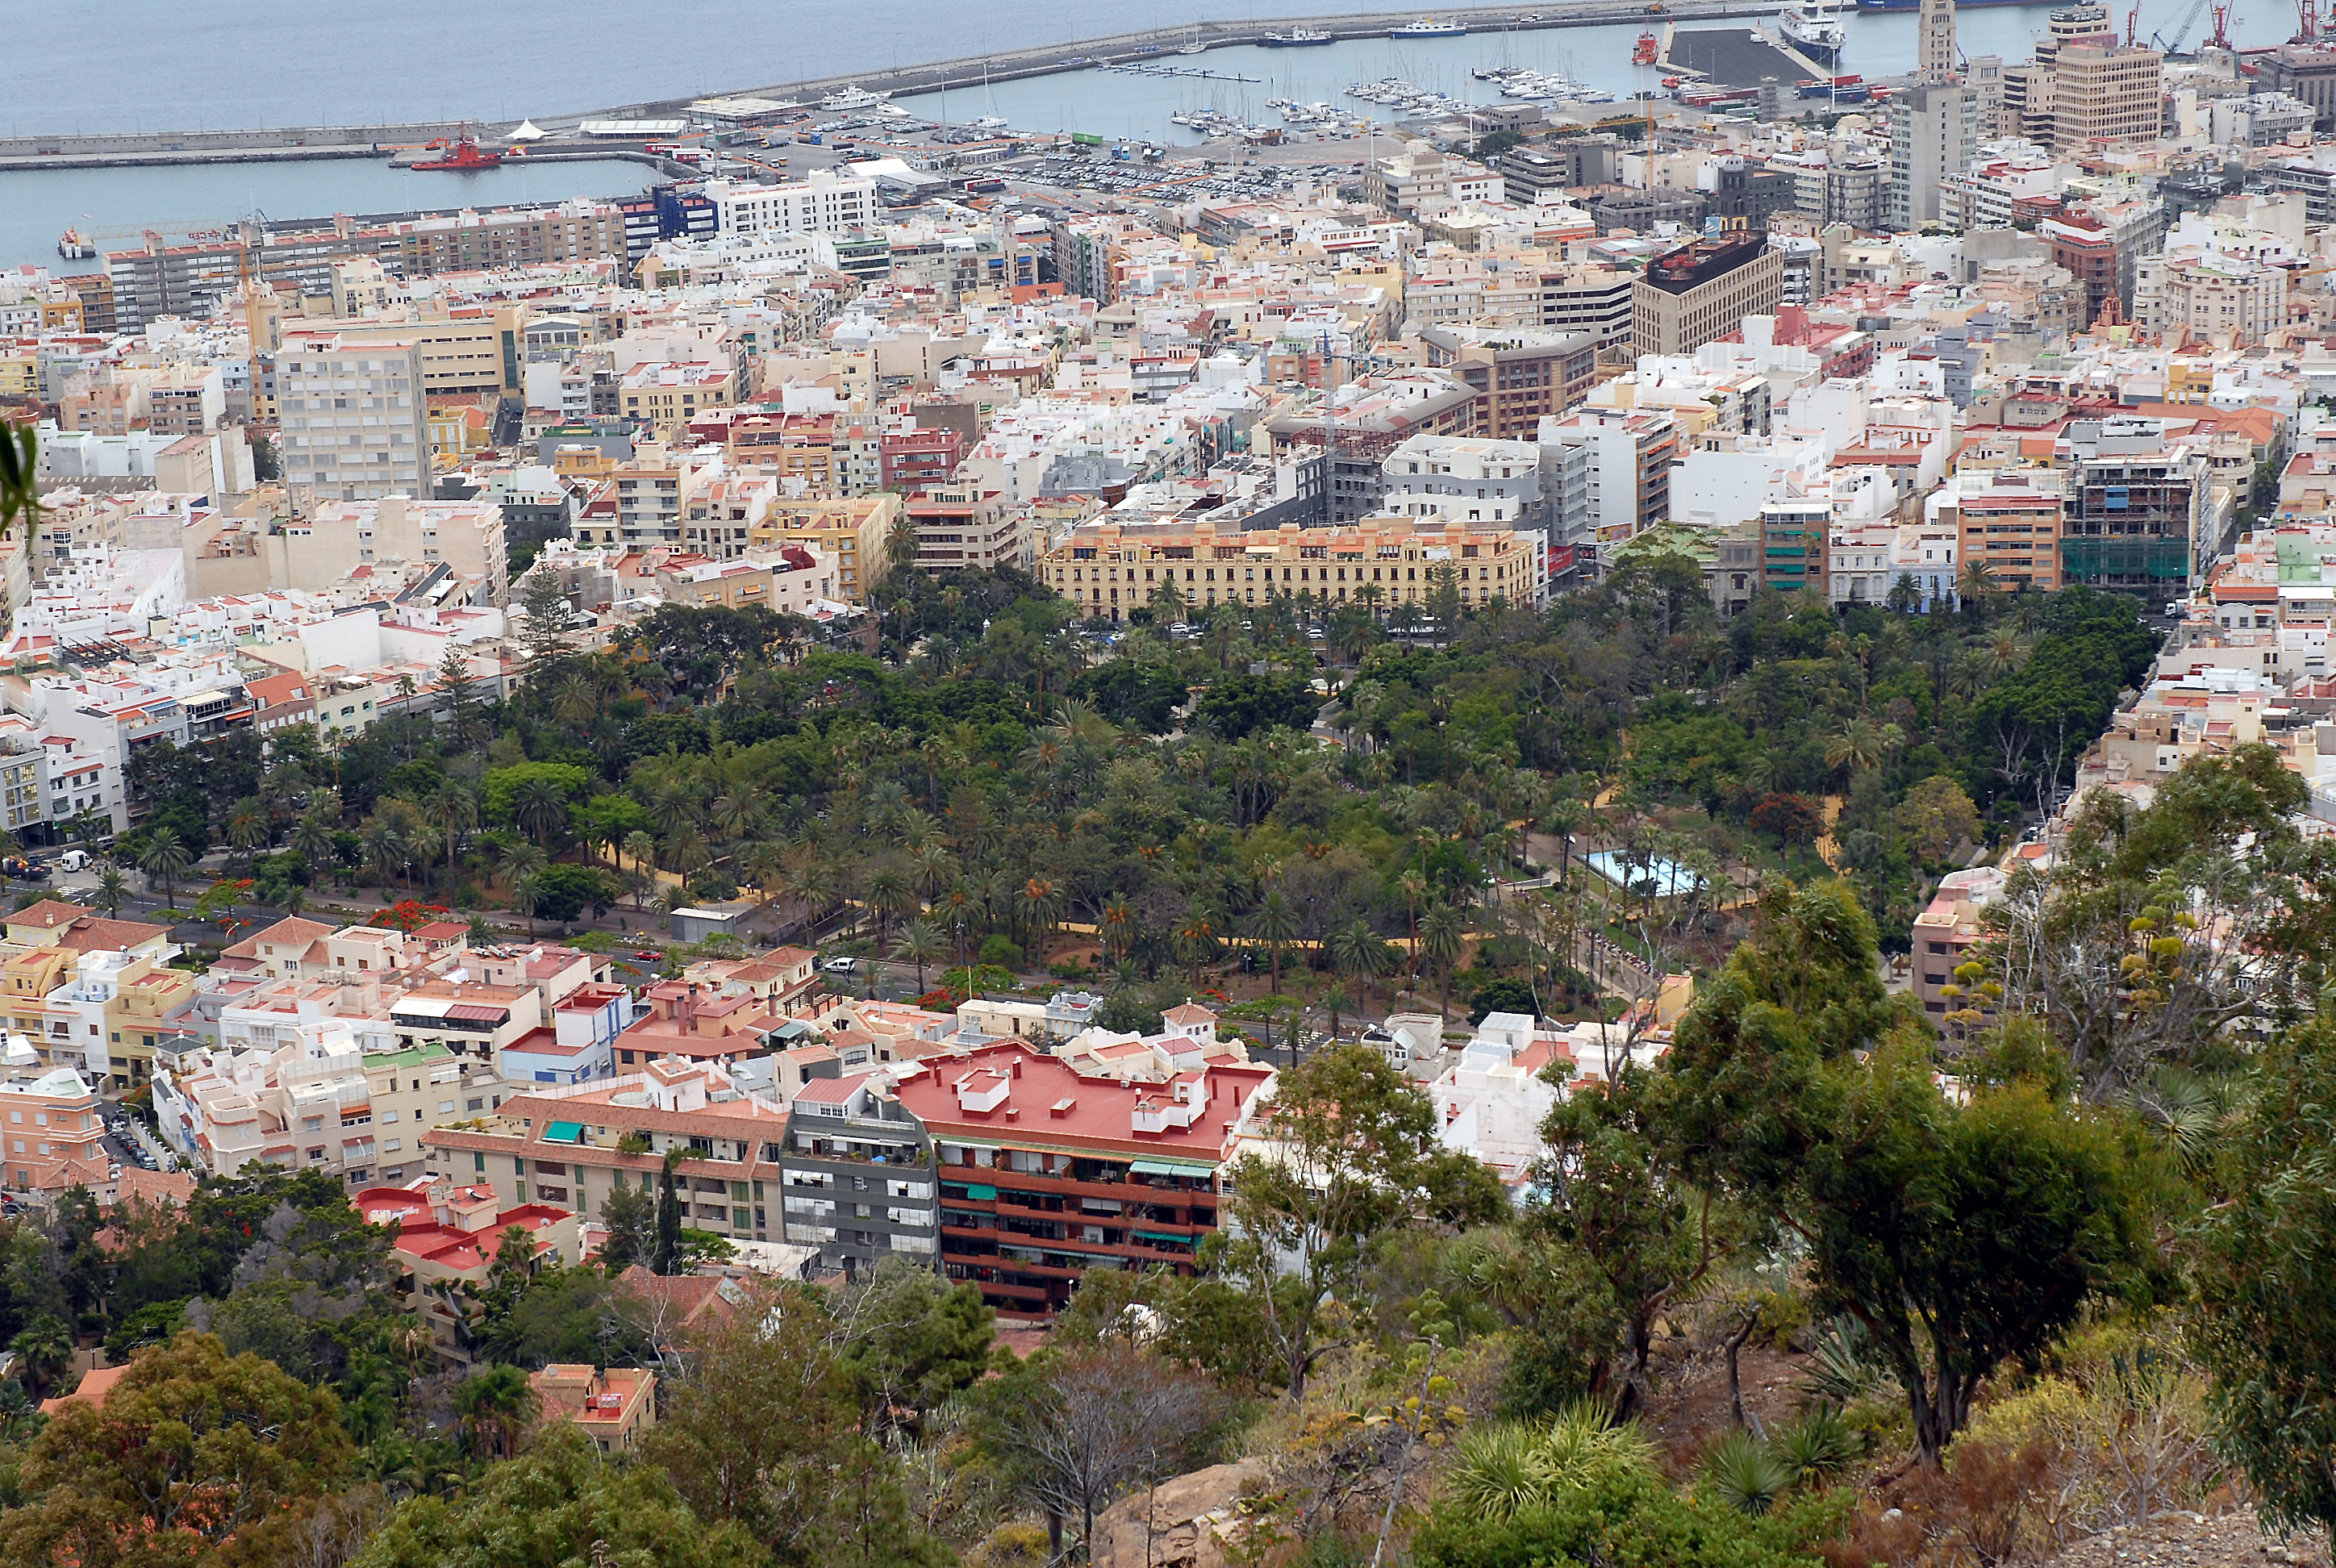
(670, 395)
(1108, 569)
(853, 531)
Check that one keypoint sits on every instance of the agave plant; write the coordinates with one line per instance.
(1742, 1472)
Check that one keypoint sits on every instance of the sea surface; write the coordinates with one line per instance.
(196, 64)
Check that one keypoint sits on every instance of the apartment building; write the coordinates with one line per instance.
(1934, 134)
(962, 525)
(857, 1174)
(1946, 931)
(1699, 292)
(2007, 522)
(1045, 1173)
(572, 1146)
(824, 201)
(1462, 479)
(666, 397)
(54, 1129)
(446, 1238)
(470, 352)
(612, 1408)
(1519, 376)
(473, 241)
(466, 537)
(1107, 567)
(1620, 484)
(355, 423)
(855, 533)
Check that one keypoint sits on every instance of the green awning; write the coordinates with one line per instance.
(564, 1133)
(982, 1195)
(1171, 1168)
(1165, 1236)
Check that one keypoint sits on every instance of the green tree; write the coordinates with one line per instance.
(1961, 1235)
(166, 857)
(912, 1340)
(497, 1405)
(764, 1430)
(631, 1217)
(1357, 1158)
(196, 1457)
(2265, 1329)
(558, 1506)
(667, 1258)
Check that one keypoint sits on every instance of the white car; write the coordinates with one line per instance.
(840, 966)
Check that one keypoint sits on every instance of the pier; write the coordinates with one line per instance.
(1123, 51)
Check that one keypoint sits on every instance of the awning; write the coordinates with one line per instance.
(982, 1195)
(1169, 1168)
(1165, 1236)
(474, 1013)
(564, 1133)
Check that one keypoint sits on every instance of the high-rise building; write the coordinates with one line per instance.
(1934, 133)
(1937, 59)
(2084, 85)
(355, 420)
(1692, 295)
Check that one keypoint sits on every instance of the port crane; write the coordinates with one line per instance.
(2159, 40)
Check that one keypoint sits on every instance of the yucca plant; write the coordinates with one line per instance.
(1817, 1448)
(1842, 1368)
(1499, 1474)
(1742, 1472)
(1586, 1437)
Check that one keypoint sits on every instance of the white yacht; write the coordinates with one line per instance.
(852, 98)
(1429, 28)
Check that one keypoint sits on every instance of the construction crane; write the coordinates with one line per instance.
(2307, 22)
(2221, 38)
(2197, 9)
(1644, 56)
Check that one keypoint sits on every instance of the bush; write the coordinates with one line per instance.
(1625, 1517)
(999, 949)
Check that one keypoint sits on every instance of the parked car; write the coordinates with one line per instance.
(649, 955)
(841, 966)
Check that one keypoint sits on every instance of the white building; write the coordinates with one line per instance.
(356, 425)
(824, 201)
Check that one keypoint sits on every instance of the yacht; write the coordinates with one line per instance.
(1813, 27)
(1298, 38)
(852, 98)
(1429, 28)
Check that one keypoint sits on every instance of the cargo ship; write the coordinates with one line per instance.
(1812, 28)
(1298, 38)
(461, 157)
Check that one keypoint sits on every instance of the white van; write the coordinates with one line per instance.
(75, 861)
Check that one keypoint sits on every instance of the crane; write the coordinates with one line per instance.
(2182, 32)
(2221, 38)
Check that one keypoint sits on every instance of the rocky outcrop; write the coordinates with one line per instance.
(1182, 1523)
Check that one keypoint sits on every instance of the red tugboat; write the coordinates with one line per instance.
(462, 157)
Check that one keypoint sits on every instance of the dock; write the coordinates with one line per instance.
(1123, 51)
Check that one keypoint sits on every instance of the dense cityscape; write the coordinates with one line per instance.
(1560, 813)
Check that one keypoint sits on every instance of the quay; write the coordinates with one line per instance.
(1120, 51)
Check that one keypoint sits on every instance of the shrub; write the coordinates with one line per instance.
(1742, 1472)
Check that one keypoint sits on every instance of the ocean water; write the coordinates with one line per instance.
(152, 64)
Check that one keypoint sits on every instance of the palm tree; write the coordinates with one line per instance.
(1414, 888)
(540, 808)
(1335, 1002)
(522, 861)
(1274, 923)
(1042, 903)
(919, 944)
(1857, 746)
(496, 1407)
(386, 850)
(1195, 940)
(887, 888)
(246, 830)
(1361, 952)
(1117, 927)
(45, 1348)
(111, 889)
(167, 857)
(1441, 935)
(457, 810)
(312, 840)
